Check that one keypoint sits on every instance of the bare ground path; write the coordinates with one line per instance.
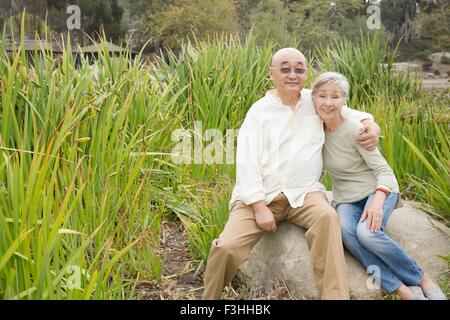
(180, 280)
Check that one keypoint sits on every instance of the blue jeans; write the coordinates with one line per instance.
(377, 249)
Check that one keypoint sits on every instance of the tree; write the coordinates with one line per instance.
(96, 15)
(271, 22)
(397, 16)
(309, 22)
(403, 18)
(99, 15)
(172, 21)
(433, 22)
(244, 11)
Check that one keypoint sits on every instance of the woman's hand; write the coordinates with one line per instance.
(264, 217)
(374, 212)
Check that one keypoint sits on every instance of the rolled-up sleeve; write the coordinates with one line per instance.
(249, 179)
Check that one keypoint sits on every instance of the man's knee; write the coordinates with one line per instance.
(225, 248)
(328, 215)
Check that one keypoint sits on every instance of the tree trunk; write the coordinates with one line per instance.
(403, 26)
(410, 14)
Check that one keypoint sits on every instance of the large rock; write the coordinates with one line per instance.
(437, 56)
(284, 257)
(406, 67)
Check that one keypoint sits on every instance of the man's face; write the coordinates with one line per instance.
(288, 73)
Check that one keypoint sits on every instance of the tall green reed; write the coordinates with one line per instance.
(368, 67)
(220, 80)
(81, 178)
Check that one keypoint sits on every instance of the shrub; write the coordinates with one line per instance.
(445, 59)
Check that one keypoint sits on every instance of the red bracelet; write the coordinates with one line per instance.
(385, 191)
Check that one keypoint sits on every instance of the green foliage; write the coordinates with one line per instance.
(319, 22)
(213, 206)
(432, 21)
(186, 19)
(368, 69)
(222, 78)
(244, 9)
(271, 23)
(96, 16)
(79, 185)
(33, 25)
(308, 23)
(434, 192)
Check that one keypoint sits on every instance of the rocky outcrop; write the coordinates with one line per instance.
(283, 256)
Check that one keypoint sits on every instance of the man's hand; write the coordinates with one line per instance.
(369, 135)
(264, 217)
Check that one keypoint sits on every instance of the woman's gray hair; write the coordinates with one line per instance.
(332, 77)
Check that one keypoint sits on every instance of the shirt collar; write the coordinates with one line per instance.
(277, 100)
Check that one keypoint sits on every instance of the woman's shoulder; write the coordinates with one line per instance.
(352, 127)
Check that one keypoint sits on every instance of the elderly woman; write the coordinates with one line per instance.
(365, 192)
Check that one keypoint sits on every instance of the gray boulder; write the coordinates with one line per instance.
(437, 56)
(406, 67)
(283, 257)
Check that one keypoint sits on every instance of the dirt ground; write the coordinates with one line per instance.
(432, 81)
(181, 280)
(440, 84)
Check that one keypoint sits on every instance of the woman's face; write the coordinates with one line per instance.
(328, 100)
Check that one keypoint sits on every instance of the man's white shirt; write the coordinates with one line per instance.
(279, 149)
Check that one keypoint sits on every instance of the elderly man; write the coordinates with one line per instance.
(278, 170)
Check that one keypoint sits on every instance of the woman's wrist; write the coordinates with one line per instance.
(383, 189)
(379, 198)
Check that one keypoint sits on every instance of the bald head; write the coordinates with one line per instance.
(288, 73)
(288, 54)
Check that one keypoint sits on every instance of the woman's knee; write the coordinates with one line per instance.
(364, 235)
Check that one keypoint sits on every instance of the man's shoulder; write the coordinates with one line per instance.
(261, 105)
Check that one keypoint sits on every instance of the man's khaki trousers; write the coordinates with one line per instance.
(241, 233)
